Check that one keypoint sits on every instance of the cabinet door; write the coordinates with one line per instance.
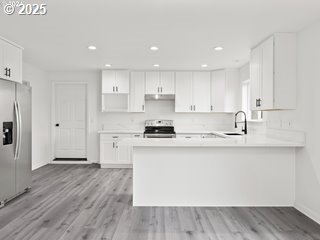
(122, 82)
(2, 67)
(167, 83)
(137, 92)
(267, 74)
(183, 101)
(201, 92)
(13, 61)
(152, 82)
(218, 91)
(108, 81)
(107, 152)
(123, 154)
(255, 77)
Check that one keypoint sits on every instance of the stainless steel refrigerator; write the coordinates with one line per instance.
(15, 146)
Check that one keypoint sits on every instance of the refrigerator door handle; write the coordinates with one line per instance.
(20, 130)
(17, 130)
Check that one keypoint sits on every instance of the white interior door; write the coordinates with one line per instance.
(70, 120)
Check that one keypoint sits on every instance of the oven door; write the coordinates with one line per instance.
(159, 135)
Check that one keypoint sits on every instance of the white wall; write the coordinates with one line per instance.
(93, 79)
(41, 101)
(154, 110)
(306, 118)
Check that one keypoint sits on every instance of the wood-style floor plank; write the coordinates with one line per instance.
(74, 202)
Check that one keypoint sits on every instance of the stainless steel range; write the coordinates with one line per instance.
(159, 129)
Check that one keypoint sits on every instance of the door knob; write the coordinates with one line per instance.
(57, 125)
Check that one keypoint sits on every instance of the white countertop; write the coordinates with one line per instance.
(237, 141)
(121, 131)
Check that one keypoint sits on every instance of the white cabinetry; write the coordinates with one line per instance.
(137, 92)
(160, 83)
(192, 92)
(225, 91)
(10, 61)
(112, 155)
(115, 91)
(273, 73)
(218, 91)
(115, 81)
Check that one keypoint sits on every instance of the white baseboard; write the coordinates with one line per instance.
(106, 165)
(308, 212)
(38, 165)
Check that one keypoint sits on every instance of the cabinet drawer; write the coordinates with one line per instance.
(137, 135)
(114, 137)
(188, 136)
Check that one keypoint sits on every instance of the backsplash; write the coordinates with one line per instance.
(156, 109)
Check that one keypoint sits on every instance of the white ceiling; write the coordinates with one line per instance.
(123, 30)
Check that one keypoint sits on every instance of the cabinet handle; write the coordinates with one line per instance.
(194, 107)
(117, 88)
(6, 72)
(114, 136)
(258, 102)
(211, 108)
(158, 89)
(136, 135)
(161, 89)
(113, 145)
(9, 70)
(191, 107)
(112, 89)
(142, 107)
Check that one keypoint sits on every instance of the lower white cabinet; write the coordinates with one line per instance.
(111, 154)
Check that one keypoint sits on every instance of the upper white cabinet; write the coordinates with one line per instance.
(273, 73)
(115, 91)
(201, 92)
(115, 81)
(160, 83)
(137, 92)
(218, 91)
(225, 91)
(192, 92)
(10, 61)
(183, 100)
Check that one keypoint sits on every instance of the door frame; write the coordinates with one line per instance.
(53, 113)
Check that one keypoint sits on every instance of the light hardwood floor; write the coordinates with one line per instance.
(85, 202)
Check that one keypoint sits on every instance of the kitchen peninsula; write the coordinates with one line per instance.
(236, 171)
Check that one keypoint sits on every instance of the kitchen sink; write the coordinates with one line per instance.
(233, 134)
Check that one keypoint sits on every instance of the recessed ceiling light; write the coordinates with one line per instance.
(156, 65)
(218, 48)
(204, 65)
(154, 48)
(108, 65)
(92, 47)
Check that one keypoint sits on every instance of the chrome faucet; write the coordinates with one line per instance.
(245, 129)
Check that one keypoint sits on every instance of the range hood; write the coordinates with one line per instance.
(159, 96)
